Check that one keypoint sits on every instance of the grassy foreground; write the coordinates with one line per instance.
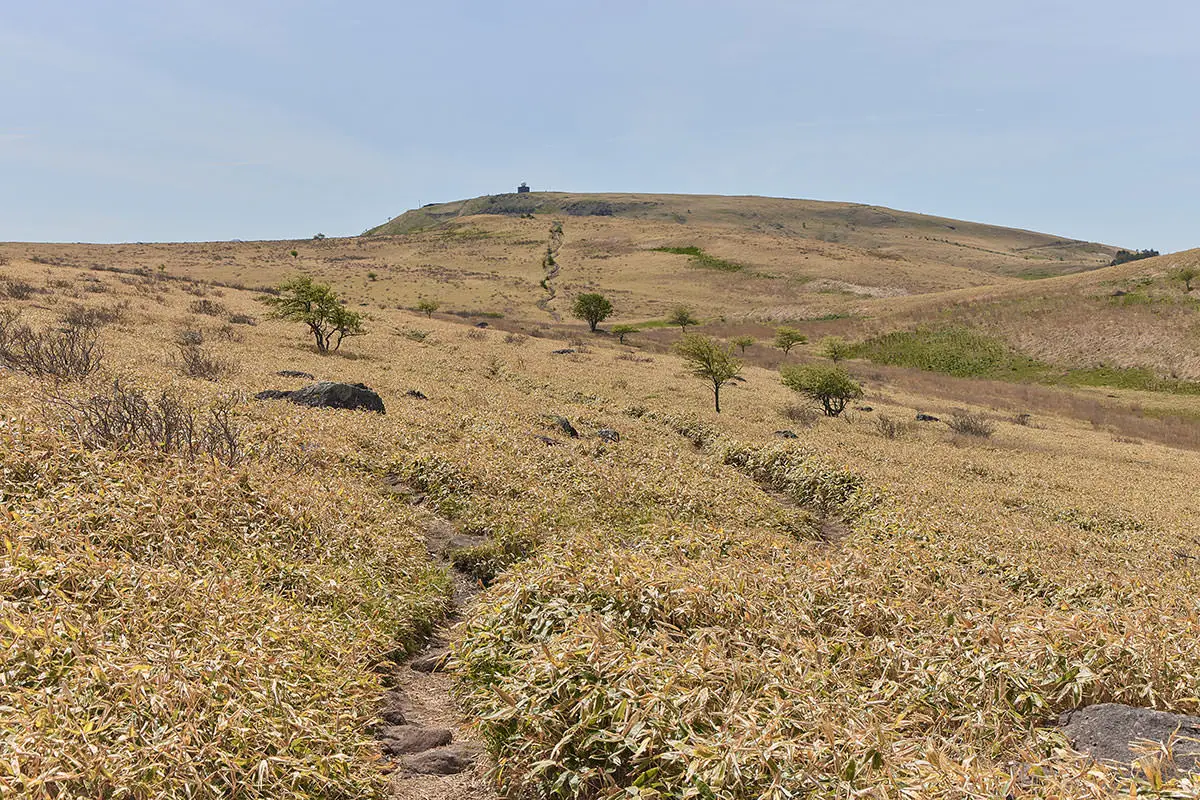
(701, 609)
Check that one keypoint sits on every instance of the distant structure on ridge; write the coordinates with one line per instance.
(523, 188)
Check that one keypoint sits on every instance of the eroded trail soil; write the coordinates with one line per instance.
(435, 751)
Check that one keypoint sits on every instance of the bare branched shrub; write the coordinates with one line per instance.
(971, 424)
(195, 289)
(189, 338)
(476, 334)
(415, 335)
(228, 333)
(242, 319)
(200, 362)
(18, 290)
(806, 416)
(93, 316)
(209, 308)
(69, 353)
(128, 417)
(515, 338)
(890, 428)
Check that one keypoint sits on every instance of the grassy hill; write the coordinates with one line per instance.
(867, 605)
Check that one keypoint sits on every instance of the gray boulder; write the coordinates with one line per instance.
(608, 435)
(442, 760)
(404, 739)
(1109, 731)
(328, 394)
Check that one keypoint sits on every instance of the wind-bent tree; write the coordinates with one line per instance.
(592, 308)
(787, 338)
(623, 330)
(317, 306)
(708, 360)
(682, 316)
(832, 387)
(742, 342)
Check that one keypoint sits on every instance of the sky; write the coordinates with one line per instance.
(144, 120)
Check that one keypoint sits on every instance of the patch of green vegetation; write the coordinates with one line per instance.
(965, 353)
(701, 259)
(1036, 274)
(651, 324)
(951, 351)
(1136, 378)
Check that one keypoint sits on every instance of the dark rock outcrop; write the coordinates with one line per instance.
(1109, 732)
(608, 435)
(922, 417)
(328, 394)
(564, 425)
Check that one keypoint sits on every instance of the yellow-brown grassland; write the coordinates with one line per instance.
(207, 606)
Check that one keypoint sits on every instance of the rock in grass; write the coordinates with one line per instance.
(399, 740)
(295, 373)
(562, 351)
(922, 417)
(416, 394)
(328, 394)
(564, 425)
(608, 435)
(442, 761)
(433, 661)
(1110, 731)
(395, 706)
(786, 435)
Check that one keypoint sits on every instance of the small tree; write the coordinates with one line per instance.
(318, 307)
(592, 308)
(787, 338)
(742, 342)
(832, 387)
(1187, 275)
(427, 306)
(623, 330)
(835, 348)
(682, 316)
(708, 360)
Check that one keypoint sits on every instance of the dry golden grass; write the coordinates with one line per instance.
(700, 610)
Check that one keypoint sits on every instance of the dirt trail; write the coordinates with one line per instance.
(437, 754)
(550, 265)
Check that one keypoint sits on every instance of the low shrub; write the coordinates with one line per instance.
(807, 416)
(18, 290)
(971, 424)
(68, 353)
(196, 361)
(207, 307)
(125, 416)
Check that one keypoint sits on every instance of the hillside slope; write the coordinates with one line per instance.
(893, 233)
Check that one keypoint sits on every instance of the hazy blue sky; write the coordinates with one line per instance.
(212, 119)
